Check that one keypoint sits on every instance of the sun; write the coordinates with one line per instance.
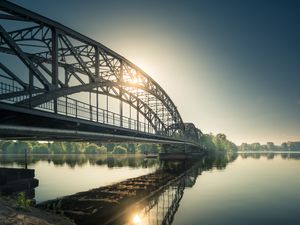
(137, 220)
(134, 80)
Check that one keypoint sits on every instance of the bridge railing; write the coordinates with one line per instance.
(73, 108)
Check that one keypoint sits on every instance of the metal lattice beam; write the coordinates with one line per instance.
(47, 48)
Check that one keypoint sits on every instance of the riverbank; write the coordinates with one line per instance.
(10, 215)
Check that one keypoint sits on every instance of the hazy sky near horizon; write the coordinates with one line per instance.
(231, 67)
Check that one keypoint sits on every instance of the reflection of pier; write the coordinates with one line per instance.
(152, 198)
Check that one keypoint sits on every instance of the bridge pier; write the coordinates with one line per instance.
(179, 151)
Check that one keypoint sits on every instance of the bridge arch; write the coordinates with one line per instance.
(47, 47)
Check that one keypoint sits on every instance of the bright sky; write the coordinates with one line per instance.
(230, 66)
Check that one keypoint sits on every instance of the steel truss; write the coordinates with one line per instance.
(62, 62)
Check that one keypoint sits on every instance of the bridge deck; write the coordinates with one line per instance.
(23, 123)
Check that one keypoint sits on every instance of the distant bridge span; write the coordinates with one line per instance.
(56, 83)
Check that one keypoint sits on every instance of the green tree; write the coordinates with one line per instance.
(5, 146)
(284, 146)
(58, 148)
(131, 148)
(41, 149)
(270, 145)
(119, 150)
(102, 149)
(21, 146)
(95, 149)
(110, 147)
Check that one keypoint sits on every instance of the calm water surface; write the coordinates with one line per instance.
(254, 189)
(61, 175)
(236, 189)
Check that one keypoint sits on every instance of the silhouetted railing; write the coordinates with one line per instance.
(73, 108)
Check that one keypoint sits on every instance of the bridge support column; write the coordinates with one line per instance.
(174, 148)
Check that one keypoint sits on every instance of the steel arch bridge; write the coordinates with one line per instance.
(47, 69)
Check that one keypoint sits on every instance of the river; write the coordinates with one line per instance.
(243, 188)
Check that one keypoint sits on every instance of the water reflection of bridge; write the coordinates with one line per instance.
(151, 199)
(162, 208)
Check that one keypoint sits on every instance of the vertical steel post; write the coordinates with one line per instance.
(121, 93)
(30, 86)
(66, 83)
(106, 108)
(156, 114)
(97, 104)
(54, 53)
(137, 111)
(97, 73)
(148, 113)
(103, 115)
(163, 117)
(76, 109)
(25, 160)
(66, 105)
(90, 104)
(129, 116)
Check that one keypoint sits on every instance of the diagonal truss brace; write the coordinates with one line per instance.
(10, 42)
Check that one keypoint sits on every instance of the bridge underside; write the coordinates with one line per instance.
(22, 123)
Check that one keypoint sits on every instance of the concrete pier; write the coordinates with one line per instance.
(13, 180)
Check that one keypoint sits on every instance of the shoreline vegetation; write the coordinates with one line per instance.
(270, 146)
(208, 142)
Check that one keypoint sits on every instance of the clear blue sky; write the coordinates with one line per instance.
(230, 66)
